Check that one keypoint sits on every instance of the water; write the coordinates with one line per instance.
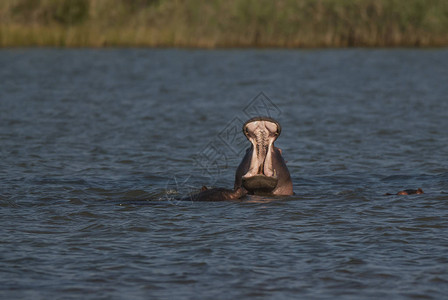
(97, 147)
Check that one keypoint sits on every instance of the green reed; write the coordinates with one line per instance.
(224, 23)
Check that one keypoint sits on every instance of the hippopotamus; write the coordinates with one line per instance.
(262, 171)
(407, 192)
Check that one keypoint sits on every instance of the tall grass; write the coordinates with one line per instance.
(224, 23)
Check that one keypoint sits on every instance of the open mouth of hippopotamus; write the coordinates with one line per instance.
(261, 176)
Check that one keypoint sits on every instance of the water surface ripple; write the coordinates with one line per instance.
(97, 147)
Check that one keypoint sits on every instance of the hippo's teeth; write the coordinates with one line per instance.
(275, 173)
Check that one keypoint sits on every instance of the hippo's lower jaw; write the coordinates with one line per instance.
(260, 184)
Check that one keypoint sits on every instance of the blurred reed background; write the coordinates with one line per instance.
(224, 23)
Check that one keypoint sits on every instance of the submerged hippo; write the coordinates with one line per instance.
(218, 194)
(407, 192)
(262, 171)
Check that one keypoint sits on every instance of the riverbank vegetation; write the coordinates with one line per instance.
(224, 23)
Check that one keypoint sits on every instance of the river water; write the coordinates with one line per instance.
(98, 146)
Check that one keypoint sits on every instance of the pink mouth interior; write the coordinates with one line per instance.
(262, 134)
